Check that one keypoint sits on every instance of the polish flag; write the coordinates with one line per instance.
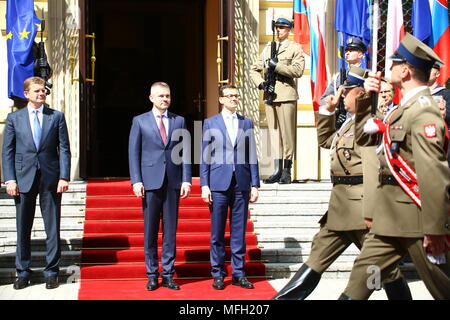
(396, 31)
(394, 36)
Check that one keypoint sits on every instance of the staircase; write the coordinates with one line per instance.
(72, 217)
(285, 219)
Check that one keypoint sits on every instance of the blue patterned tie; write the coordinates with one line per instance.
(37, 129)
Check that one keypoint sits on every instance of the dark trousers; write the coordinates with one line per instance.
(237, 201)
(161, 204)
(50, 204)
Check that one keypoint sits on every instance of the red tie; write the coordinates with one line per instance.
(162, 129)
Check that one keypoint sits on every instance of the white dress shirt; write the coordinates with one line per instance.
(231, 123)
(158, 120)
(31, 116)
(165, 120)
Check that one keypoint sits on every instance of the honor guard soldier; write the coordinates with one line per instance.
(284, 60)
(343, 224)
(411, 211)
(354, 53)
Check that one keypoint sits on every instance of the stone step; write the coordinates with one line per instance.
(66, 274)
(65, 213)
(293, 209)
(65, 201)
(38, 244)
(38, 259)
(39, 234)
(297, 255)
(308, 186)
(291, 223)
(38, 225)
(335, 271)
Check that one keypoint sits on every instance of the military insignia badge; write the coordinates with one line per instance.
(430, 130)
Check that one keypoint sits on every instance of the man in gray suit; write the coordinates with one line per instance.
(36, 160)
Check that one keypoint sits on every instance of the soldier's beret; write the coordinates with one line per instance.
(283, 22)
(355, 44)
(416, 53)
(355, 77)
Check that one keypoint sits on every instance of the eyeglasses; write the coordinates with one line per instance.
(231, 96)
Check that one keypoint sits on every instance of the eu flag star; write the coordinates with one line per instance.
(9, 35)
(24, 34)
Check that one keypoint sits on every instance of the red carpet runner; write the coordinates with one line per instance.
(113, 255)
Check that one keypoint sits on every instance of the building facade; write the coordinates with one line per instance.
(106, 53)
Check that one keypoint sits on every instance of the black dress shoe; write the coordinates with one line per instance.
(242, 282)
(170, 283)
(152, 283)
(51, 282)
(21, 283)
(218, 283)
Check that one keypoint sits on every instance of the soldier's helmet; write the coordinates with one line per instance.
(355, 44)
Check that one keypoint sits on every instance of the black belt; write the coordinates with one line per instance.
(282, 78)
(387, 179)
(347, 180)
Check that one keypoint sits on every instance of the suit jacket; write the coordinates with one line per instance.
(20, 156)
(150, 160)
(345, 206)
(219, 156)
(394, 213)
(291, 65)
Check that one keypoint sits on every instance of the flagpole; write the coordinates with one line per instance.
(374, 62)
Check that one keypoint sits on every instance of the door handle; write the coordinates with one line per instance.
(220, 61)
(93, 59)
(72, 57)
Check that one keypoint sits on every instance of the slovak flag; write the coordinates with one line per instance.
(440, 37)
(315, 13)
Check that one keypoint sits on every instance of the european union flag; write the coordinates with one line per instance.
(352, 20)
(21, 28)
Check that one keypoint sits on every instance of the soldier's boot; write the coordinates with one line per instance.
(275, 177)
(344, 297)
(397, 290)
(300, 286)
(286, 172)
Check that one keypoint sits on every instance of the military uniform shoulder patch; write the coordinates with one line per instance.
(429, 130)
(424, 101)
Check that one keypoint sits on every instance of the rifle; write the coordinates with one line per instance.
(341, 113)
(270, 75)
(41, 66)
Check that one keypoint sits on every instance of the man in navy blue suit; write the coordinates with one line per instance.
(36, 160)
(229, 178)
(160, 173)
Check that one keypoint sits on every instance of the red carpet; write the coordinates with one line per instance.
(113, 256)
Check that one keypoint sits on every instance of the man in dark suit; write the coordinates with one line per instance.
(160, 175)
(36, 160)
(229, 178)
